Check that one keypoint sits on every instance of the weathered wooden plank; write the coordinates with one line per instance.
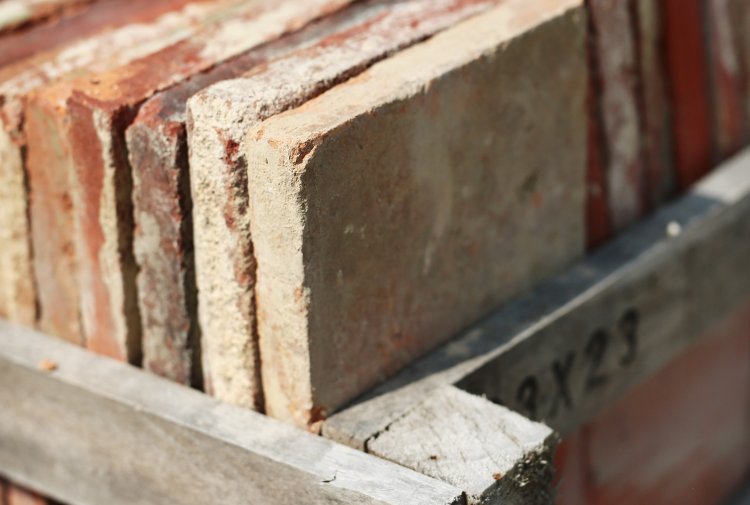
(494, 455)
(379, 209)
(689, 422)
(578, 341)
(88, 430)
(655, 305)
(219, 137)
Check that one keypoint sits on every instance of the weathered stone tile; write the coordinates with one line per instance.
(687, 71)
(163, 242)
(739, 15)
(53, 249)
(94, 113)
(395, 209)
(616, 52)
(219, 120)
(656, 135)
(630, 147)
(729, 122)
(598, 222)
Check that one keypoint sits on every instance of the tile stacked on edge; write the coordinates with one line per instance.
(686, 62)
(739, 15)
(616, 54)
(163, 243)
(725, 77)
(396, 208)
(347, 43)
(631, 167)
(83, 121)
(656, 134)
(147, 28)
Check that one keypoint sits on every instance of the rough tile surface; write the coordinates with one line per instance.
(96, 112)
(225, 265)
(397, 208)
(163, 242)
(616, 52)
(25, 87)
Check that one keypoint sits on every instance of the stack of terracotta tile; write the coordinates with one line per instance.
(163, 202)
(285, 202)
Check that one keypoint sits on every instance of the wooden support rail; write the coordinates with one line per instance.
(88, 430)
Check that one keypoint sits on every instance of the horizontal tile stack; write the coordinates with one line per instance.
(284, 203)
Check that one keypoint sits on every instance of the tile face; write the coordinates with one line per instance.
(163, 241)
(397, 208)
(93, 113)
(218, 136)
(687, 68)
(32, 93)
(17, 81)
(739, 16)
(656, 135)
(615, 49)
(631, 166)
(729, 122)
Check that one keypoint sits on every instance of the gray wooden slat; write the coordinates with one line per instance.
(88, 430)
(493, 454)
(668, 278)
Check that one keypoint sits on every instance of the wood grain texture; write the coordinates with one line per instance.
(678, 284)
(60, 429)
(491, 453)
